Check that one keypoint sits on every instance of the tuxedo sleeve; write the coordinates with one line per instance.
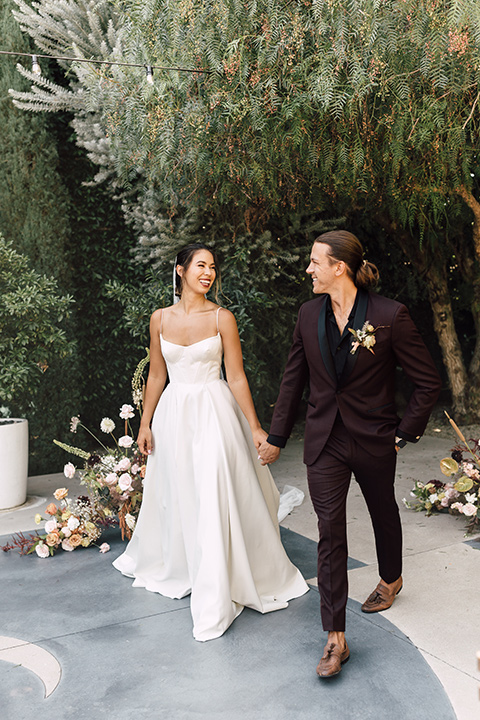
(293, 382)
(418, 365)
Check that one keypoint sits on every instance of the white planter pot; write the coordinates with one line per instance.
(13, 462)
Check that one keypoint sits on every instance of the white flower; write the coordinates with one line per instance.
(66, 531)
(369, 341)
(104, 547)
(73, 522)
(126, 412)
(74, 423)
(433, 498)
(125, 482)
(469, 509)
(457, 506)
(470, 497)
(51, 525)
(69, 470)
(135, 468)
(125, 441)
(42, 550)
(130, 520)
(67, 545)
(107, 425)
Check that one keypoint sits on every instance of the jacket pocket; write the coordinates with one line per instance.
(381, 407)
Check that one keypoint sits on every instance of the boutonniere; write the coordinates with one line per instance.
(365, 337)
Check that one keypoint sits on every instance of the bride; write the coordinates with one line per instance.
(208, 521)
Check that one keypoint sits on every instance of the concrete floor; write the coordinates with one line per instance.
(105, 648)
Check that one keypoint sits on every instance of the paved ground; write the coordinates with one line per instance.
(104, 648)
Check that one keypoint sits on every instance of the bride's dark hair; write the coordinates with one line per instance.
(185, 257)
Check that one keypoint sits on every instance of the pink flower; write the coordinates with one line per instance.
(125, 441)
(51, 525)
(66, 531)
(444, 502)
(69, 470)
(123, 465)
(125, 482)
(135, 468)
(451, 493)
(457, 506)
(42, 550)
(67, 545)
(469, 509)
(104, 547)
(126, 412)
(111, 479)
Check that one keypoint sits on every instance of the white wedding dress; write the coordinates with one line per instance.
(207, 524)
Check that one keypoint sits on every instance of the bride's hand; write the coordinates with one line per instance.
(259, 436)
(144, 440)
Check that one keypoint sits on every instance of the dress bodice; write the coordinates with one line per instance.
(194, 364)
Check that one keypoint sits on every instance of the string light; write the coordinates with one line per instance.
(37, 70)
(36, 66)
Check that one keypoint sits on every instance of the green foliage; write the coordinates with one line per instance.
(32, 335)
(33, 200)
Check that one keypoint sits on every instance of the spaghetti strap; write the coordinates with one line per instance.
(161, 321)
(218, 311)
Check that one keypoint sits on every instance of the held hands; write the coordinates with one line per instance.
(144, 440)
(259, 436)
(268, 453)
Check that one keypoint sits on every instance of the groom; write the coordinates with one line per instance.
(351, 423)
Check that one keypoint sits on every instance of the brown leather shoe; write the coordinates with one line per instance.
(382, 597)
(332, 660)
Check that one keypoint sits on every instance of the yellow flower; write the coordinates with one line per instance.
(60, 493)
(85, 542)
(370, 328)
(38, 518)
(66, 515)
(89, 527)
(107, 512)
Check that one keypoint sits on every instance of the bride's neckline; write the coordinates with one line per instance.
(191, 344)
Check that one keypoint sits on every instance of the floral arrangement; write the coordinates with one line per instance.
(114, 478)
(72, 524)
(461, 494)
(365, 337)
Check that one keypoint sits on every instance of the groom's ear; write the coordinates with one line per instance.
(341, 268)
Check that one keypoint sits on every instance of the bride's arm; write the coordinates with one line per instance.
(157, 377)
(236, 378)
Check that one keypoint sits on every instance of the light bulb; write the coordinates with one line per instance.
(35, 66)
(149, 71)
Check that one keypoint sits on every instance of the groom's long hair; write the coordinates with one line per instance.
(346, 247)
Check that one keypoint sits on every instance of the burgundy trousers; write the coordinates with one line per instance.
(328, 481)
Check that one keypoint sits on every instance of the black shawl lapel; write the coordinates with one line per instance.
(323, 342)
(358, 323)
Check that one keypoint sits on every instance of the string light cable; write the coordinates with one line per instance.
(148, 68)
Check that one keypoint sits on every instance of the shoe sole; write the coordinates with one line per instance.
(342, 662)
(383, 608)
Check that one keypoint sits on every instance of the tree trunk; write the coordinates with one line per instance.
(434, 272)
(443, 323)
(474, 205)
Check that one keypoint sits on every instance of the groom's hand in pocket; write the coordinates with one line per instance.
(268, 453)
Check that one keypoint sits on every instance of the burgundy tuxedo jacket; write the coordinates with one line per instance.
(365, 394)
